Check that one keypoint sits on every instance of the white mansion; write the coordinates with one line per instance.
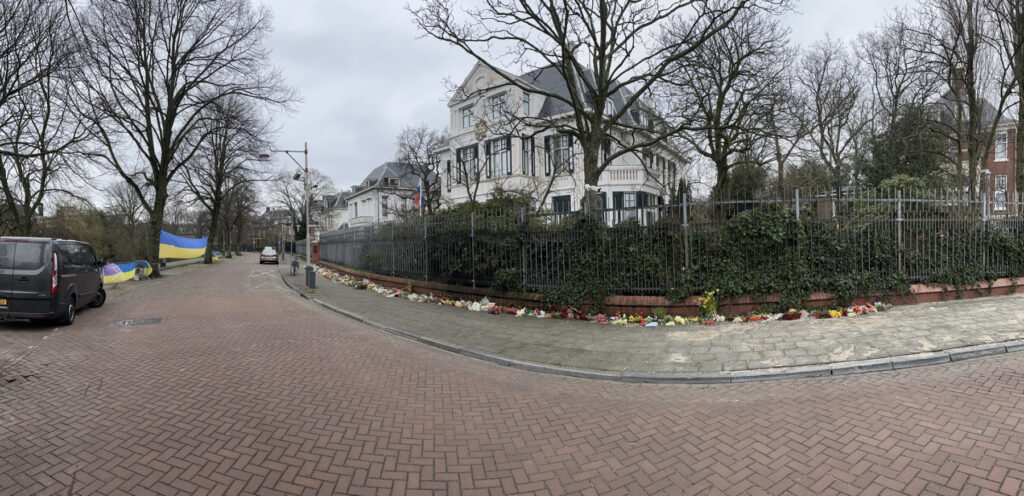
(491, 147)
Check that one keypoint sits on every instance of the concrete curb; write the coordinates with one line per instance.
(739, 376)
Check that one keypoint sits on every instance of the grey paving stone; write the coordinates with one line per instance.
(862, 366)
(781, 373)
(684, 378)
(1012, 346)
(918, 359)
(490, 357)
(976, 351)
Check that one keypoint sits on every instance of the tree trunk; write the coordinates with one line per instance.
(214, 217)
(1020, 147)
(156, 224)
(591, 202)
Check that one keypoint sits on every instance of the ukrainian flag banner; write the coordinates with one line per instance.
(119, 272)
(172, 246)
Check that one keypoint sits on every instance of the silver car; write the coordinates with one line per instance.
(269, 255)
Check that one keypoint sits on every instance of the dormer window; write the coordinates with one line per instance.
(467, 117)
(392, 181)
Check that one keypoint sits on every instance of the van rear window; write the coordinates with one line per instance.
(28, 256)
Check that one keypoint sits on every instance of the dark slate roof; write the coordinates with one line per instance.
(550, 80)
(407, 178)
(946, 104)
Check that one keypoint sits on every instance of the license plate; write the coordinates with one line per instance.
(3, 302)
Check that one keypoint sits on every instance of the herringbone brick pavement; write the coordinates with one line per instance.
(246, 389)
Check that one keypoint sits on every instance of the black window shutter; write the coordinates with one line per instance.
(487, 157)
(617, 199)
(508, 155)
(448, 172)
(547, 155)
(532, 156)
(572, 155)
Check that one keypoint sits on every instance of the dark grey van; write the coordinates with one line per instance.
(43, 278)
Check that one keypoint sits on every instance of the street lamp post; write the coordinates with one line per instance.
(310, 279)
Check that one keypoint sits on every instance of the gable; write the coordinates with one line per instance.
(481, 78)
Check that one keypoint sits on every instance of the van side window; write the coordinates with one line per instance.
(79, 255)
(6, 255)
(28, 256)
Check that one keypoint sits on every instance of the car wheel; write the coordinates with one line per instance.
(69, 313)
(101, 298)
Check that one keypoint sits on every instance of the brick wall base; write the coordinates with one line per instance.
(919, 293)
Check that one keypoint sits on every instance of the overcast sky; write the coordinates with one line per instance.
(365, 73)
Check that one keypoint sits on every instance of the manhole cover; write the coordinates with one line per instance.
(138, 322)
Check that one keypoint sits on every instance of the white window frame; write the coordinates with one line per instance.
(561, 154)
(467, 167)
(526, 104)
(498, 106)
(629, 209)
(529, 163)
(999, 192)
(467, 117)
(501, 156)
(1001, 146)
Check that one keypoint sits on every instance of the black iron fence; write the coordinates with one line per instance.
(856, 242)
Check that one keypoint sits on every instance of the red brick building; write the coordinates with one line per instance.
(1001, 164)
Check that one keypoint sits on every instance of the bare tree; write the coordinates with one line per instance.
(724, 91)
(287, 190)
(418, 147)
(899, 74)
(956, 37)
(234, 134)
(786, 126)
(34, 44)
(604, 51)
(40, 137)
(154, 68)
(833, 89)
(1009, 21)
(126, 212)
(239, 210)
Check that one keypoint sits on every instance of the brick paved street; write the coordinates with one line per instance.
(244, 388)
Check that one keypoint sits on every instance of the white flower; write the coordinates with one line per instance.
(474, 307)
(521, 312)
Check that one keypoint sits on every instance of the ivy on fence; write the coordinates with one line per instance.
(873, 245)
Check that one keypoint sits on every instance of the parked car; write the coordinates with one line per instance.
(48, 279)
(269, 255)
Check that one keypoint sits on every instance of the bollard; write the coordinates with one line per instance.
(310, 277)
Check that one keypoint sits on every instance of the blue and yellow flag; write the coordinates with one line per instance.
(120, 272)
(172, 246)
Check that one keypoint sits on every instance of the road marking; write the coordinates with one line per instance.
(263, 280)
